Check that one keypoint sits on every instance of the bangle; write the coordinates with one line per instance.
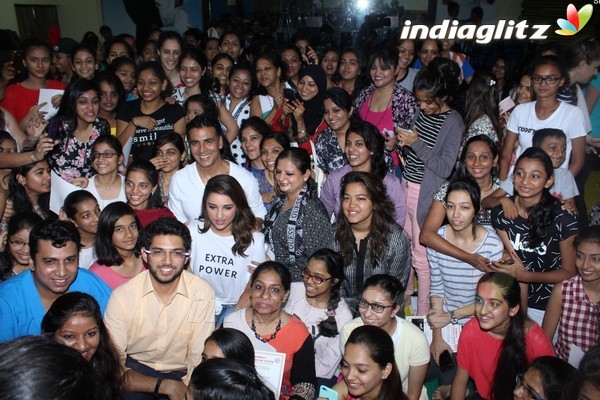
(303, 139)
(156, 387)
(33, 159)
(302, 132)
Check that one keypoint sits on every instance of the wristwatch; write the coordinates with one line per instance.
(453, 318)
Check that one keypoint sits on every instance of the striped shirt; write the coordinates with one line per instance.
(429, 127)
(454, 280)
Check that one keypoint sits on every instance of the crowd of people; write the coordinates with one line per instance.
(228, 196)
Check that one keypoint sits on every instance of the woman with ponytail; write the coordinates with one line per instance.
(540, 240)
(316, 301)
(500, 343)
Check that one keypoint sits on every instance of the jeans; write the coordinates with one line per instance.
(146, 370)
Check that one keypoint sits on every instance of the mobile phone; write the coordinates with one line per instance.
(446, 363)
(328, 393)
(506, 105)
(290, 94)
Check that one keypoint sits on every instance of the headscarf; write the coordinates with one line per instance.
(313, 108)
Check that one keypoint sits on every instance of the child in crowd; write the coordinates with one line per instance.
(82, 209)
(574, 305)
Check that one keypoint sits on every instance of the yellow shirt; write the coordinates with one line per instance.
(165, 337)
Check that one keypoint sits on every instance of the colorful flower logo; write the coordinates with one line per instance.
(575, 21)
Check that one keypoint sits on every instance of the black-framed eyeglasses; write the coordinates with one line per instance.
(161, 253)
(105, 155)
(18, 243)
(550, 79)
(377, 308)
(526, 388)
(315, 278)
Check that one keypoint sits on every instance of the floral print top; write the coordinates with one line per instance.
(70, 159)
(329, 153)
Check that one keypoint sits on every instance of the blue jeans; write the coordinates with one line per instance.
(225, 311)
(146, 370)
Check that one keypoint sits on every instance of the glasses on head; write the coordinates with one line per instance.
(315, 278)
(161, 253)
(106, 155)
(18, 243)
(550, 79)
(528, 390)
(378, 308)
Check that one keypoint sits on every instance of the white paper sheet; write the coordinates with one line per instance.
(270, 365)
(450, 332)
(46, 97)
(60, 190)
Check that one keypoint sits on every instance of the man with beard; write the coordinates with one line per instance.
(160, 319)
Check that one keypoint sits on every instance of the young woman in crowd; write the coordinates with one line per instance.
(307, 111)
(149, 51)
(429, 50)
(270, 328)
(237, 104)
(221, 65)
(548, 76)
(317, 302)
(170, 46)
(548, 378)
(76, 127)
(19, 98)
(82, 209)
(330, 143)
(406, 75)
(482, 115)
(269, 100)
(112, 96)
(378, 305)
(229, 343)
(479, 160)
(211, 49)
(430, 150)
(540, 240)
(232, 44)
(170, 153)
(116, 245)
(84, 62)
(329, 64)
(297, 223)
(192, 67)
(364, 150)
(8, 145)
(143, 195)
(118, 48)
(367, 236)
(453, 281)
(127, 72)
(291, 57)
(75, 320)
(29, 190)
(385, 103)
(574, 305)
(271, 145)
(369, 347)
(149, 117)
(352, 64)
(15, 259)
(107, 185)
(500, 343)
(504, 73)
(225, 229)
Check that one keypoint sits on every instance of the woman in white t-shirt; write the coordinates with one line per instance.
(107, 185)
(224, 244)
(547, 111)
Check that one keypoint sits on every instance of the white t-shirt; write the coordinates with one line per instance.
(91, 187)
(524, 122)
(87, 257)
(187, 189)
(212, 259)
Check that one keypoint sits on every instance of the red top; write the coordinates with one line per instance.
(147, 216)
(18, 99)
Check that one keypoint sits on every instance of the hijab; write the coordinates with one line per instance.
(313, 108)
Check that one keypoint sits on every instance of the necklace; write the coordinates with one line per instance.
(273, 335)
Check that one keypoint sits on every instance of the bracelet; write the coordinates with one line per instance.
(156, 387)
(302, 132)
(33, 159)
(303, 139)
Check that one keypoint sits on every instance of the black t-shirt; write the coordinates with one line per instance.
(543, 258)
(143, 139)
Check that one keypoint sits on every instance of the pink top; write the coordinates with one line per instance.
(384, 121)
(112, 278)
(478, 352)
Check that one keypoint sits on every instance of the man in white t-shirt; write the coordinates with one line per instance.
(187, 185)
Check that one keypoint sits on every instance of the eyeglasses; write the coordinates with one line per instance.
(18, 243)
(315, 278)
(530, 392)
(105, 155)
(378, 308)
(161, 253)
(550, 79)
